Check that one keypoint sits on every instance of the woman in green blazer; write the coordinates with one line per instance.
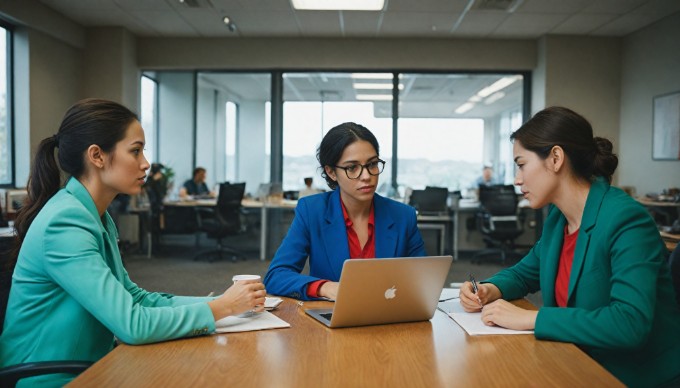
(70, 294)
(600, 263)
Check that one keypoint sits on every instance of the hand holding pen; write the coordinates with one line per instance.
(474, 296)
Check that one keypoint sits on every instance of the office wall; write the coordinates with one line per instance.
(54, 85)
(583, 74)
(650, 67)
(111, 63)
(176, 117)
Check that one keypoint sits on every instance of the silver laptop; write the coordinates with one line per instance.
(380, 291)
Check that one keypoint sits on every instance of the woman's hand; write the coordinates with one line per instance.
(329, 290)
(244, 295)
(486, 293)
(505, 314)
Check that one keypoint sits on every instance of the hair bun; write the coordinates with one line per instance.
(606, 161)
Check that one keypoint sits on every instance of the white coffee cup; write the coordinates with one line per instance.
(236, 278)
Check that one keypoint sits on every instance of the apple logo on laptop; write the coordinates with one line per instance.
(390, 293)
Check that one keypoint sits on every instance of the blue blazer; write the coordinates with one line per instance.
(318, 231)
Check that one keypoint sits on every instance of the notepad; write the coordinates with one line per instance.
(258, 321)
(473, 325)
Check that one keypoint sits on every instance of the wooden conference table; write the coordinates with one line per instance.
(436, 353)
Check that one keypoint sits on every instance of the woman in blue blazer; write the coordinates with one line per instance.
(600, 263)
(70, 294)
(351, 221)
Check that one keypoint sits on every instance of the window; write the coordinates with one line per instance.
(316, 102)
(149, 116)
(232, 130)
(451, 124)
(6, 141)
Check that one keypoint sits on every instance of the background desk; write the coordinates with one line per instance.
(434, 353)
(284, 204)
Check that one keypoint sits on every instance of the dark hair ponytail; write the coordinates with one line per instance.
(589, 156)
(87, 122)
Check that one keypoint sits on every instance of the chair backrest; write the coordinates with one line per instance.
(499, 200)
(5, 276)
(430, 200)
(229, 203)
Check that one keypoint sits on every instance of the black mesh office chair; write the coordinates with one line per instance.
(10, 375)
(433, 212)
(498, 221)
(222, 221)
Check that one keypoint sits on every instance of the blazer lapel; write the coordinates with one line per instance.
(597, 191)
(385, 234)
(334, 234)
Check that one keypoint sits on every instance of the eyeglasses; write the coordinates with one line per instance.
(354, 171)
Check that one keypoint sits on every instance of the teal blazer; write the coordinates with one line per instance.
(71, 295)
(319, 232)
(621, 308)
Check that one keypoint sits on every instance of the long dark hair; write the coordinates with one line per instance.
(589, 156)
(87, 122)
(334, 143)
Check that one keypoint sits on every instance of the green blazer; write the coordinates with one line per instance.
(621, 309)
(71, 295)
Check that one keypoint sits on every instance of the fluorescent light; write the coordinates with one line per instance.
(475, 98)
(371, 76)
(464, 108)
(338, 5)
(376, 86)
(494, 97)
(374, 97)
(498, 85)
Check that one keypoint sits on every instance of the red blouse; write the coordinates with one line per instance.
(355, 249)
(564, 268)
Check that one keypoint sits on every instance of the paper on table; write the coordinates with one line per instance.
(449, 293)
(272, 303)
(259, 321)
(473, 325)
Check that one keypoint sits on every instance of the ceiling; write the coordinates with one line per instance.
(498, 19)
(423, 95)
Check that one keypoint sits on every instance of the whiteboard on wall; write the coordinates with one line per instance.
(666, 133)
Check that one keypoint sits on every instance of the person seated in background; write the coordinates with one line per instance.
(308, 190)
(600, 263)
(349, 222)
(70, 295)
(487, 178)
(196, 186)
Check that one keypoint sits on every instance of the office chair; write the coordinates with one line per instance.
(498, 221)
(222, 221)
(674, 265)
(10, 375)
(433, 212)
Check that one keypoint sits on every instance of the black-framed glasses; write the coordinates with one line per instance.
(354, 171)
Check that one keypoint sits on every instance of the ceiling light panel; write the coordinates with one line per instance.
(338, 5)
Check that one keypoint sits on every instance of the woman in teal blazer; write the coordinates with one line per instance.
(600, 263)
(349, 156)
(70, 294)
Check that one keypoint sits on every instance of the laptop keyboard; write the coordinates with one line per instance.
(327, 316)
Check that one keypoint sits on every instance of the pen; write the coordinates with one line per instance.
(475, 289)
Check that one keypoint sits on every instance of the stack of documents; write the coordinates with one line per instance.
(249, 322)
(253, 321)
(473, 325)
